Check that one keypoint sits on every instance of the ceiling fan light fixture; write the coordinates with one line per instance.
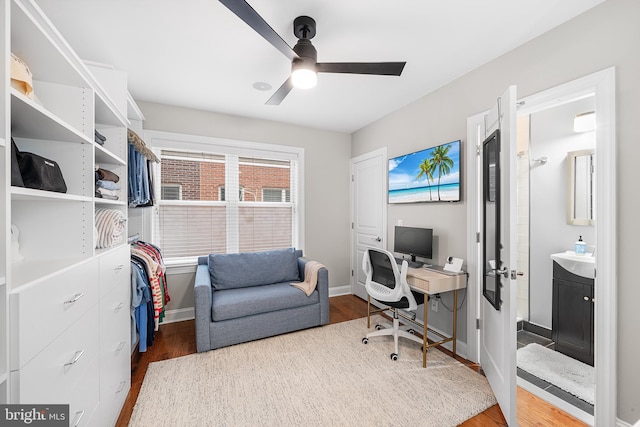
(304, 78)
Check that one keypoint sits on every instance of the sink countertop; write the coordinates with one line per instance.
(581, 265)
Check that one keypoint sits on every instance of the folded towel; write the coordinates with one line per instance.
(311, 269)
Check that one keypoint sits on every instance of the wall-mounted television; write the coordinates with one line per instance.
(430, 175)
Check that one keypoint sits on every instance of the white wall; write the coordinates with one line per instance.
(608, 35)
(326, 180)
(552, 136)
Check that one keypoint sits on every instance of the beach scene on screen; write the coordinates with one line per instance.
(430, 175)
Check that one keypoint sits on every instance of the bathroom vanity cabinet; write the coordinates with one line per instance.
(573, 314)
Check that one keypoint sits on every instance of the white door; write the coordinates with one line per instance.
(497, 263)
(368, 211)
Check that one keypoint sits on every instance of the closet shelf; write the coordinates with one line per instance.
(30, 120)
(106, 112)
(38, 44)
(28, 270)
(3, 377)
(29, 194)
(100, 201)
(105, 156)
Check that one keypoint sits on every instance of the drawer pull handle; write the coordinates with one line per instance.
(120, 346)
(77, 357)
(118, 307)
(79, 416)
(75, 298)
(585, 298)
(118, 267)
(121, 387)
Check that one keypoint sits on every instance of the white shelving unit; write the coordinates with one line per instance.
(66, 304)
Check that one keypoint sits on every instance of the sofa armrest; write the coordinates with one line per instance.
(322, 287)
(202, 307)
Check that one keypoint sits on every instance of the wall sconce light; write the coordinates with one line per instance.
(584, 122)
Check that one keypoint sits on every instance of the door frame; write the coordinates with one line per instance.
(382, 154)
(602, 84)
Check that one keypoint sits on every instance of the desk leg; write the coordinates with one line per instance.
(424, 331)
(455, 320)
(368, 311)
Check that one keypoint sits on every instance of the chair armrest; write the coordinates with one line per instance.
(322, 287)
(202, 307)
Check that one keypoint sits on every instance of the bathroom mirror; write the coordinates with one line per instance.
(580, 179)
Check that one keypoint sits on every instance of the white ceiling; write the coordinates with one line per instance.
(197, 54)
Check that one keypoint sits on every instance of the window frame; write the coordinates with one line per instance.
(160, 140)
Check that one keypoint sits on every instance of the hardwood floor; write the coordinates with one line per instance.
(178, 339)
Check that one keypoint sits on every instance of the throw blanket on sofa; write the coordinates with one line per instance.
(311, 269)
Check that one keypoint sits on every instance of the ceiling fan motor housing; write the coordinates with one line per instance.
(304, 27)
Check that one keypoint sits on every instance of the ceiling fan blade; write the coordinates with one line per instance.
(245, 12)
(281, 93)
(379, 68)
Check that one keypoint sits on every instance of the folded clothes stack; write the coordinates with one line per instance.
(99, 138)
(106, 184)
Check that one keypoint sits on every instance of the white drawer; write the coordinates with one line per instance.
(115, 382)
(115, 320)
(115, 267)
(44, 309)
(84, 400)
(55, 373)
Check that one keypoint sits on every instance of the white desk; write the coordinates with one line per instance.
(431, 282)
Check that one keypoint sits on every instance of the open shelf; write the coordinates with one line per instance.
(35, 42)
(105, 156)
(28, 271)
(29, 194)
(30, 120)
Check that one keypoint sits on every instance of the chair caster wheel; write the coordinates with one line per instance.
(365, 340)
(394, 356)
(378, 327)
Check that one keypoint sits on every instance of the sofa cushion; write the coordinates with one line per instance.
(230, 271)
(235, 303)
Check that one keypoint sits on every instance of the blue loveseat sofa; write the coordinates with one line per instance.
(248, 296)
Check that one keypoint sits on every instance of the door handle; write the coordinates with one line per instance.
(377, 239)
(504, 271)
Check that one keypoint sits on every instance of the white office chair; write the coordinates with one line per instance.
(388, 285)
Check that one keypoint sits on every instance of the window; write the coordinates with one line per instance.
(171, 192)
(276, 194)
(194, 215)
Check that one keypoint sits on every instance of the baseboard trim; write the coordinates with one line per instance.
(336, 291)
(179, 315)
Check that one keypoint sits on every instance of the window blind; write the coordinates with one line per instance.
(229, 203)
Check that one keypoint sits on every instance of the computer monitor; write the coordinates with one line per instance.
(415, 242)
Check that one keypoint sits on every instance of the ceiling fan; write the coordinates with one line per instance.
(303, 56)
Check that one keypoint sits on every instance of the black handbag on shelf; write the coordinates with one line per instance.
(36, 171)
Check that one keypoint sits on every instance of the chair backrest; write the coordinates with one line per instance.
(385, 282)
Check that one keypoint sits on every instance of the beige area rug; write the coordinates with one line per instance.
(317, 377)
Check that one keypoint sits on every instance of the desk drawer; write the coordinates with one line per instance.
(44, 309)
(114, 269)
(53, 375)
